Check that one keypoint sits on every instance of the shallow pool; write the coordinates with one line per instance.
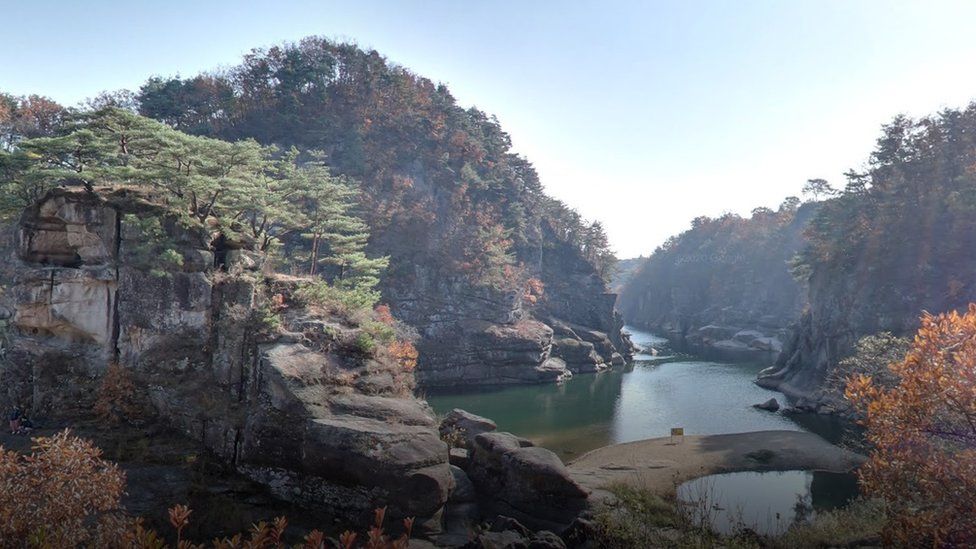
(767, 502)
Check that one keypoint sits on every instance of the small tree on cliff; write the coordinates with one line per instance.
(923, 431)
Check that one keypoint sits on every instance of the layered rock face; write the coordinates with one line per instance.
(488, 337)
(296, 409)
(723, 289)
(846, 306)
(478, 335)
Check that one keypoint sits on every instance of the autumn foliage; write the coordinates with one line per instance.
(116, 398)
(405, 354)
(65, 495)
(61, 495)
(534, 290)
(923, 431)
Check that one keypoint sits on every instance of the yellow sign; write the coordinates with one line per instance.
(677, 431)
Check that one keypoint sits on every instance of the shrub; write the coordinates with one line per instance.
(61, 495)
(381, 332)
(534, 290)
(334, 299)
(871, 357)
(154, 250)
(266, 318)
(65, 495)
(116, 399)
(923, 434)
(364, 344)
(405, 354)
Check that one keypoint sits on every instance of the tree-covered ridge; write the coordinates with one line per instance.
(441, 184)
(901, 235)
(251, 194)
(728, 269)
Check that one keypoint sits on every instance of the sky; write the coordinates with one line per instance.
(640, 114)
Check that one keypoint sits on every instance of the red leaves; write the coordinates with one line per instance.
(383, 315)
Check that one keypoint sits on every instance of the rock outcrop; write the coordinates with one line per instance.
(528, 483)
(485, 337)
(481, 352)
(294, 407)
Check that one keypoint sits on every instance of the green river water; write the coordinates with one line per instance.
(646, 399)
(642, 400)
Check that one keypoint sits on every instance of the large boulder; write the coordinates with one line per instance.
(466, 426)
(353, 451)
(530, 484)
(579, 356)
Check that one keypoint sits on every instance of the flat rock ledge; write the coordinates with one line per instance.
(660, 464)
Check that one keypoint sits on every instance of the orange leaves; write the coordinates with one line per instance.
(63, 493)
(383, 315)
(116, 399)
(923, 431)
(405, 354)
(179, 517)
(376, 537)
(278, 302)
(534, 290)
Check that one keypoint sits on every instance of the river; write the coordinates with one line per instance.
(642, 400)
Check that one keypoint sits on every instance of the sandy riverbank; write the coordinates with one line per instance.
(660, 464)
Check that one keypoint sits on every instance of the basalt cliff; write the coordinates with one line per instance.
(222, 351)
(895, 244)
(298, 407)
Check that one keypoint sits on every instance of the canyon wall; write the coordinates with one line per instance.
(723, 289)
(297, 407)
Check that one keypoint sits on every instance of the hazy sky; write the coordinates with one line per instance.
(640, 114)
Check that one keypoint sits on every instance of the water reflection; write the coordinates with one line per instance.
(767, 502)
(643, 400)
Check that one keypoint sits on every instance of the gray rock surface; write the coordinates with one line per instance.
(527, 483)
(770, 405)
(321, 428)
(466, 425)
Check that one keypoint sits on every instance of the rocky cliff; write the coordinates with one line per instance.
(723, 289)
(898, 241)
(464, 220)
(220, 351)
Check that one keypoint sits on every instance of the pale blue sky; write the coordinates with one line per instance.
(640, 114)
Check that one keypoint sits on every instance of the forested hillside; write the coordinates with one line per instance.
(477, 252)
(897, 241)
(721, 277)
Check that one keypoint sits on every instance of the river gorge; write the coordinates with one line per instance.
(644, 399)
